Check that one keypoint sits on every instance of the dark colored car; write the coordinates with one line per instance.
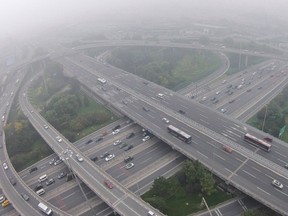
(130, 135)
(33, 169)
(38, 187)
(116, 127)
(146, 109)
(12, 180)
(99, 139)
(89, 141)
(268, 139)
(128, 159)
(105, 154)
(128, 147)
(182, 112)
(94, 158)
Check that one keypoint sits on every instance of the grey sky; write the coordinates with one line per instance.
(18, 16)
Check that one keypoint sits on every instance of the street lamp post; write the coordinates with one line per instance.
(67, 155)
(264, 117)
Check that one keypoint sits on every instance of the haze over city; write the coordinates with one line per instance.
(25, 17)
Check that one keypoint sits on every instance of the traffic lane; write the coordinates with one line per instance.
(153, 149)
(145, 183)
(208, 147)
(102, 210)
(154, 156)
(260, 183)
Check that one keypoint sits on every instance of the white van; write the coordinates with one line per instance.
(3, 118)
(44, 209)
(40, 192)
(43, 178)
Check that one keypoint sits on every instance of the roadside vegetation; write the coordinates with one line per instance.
(182, 194)
(61, 101)
(172, 68)
(275, 114)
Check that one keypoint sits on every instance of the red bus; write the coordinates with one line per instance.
(257, 142)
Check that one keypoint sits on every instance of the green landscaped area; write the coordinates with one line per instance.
(65, 106)
(173, 68)
(276, 116)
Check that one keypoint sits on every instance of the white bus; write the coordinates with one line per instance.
(45, 209)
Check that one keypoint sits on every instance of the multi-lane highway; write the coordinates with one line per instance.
(218, 130)
(129, 98)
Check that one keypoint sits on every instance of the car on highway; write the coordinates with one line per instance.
(277, 184)
(123, 145)
(218, 92)
(268, 139)
(108, 183)
(62, 175)
(128, 159)
(130, 135)
(203, 99)
(117, 142)
(129, 165)
(117, 127)
(57, 162)
(286, 166)
(165, 120)
(95, 158)
(227, 149)
(59, 139)
(146, 109)
(38, 187)
(146, 138)
(181, 112)
(223, 110)
(51, 162)
(5, 203)
(115, 131)
(79, 158)
(12, 180)
(2, 198)
(45, 126)
(33, 169)
(25, 196)
(231, 101)
(5, 166)
(99, 139)
(50, 181)
(109, 157)
(105, 154)
(151, 213)
(88, 141)
(127, 148)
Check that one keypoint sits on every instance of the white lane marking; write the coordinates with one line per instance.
(204, 121)
(280, 154)
(231, 132)
(263, 191)
(218, 213)
(228, 170)
(204, 116)
(202, 154)
(69, 195)
(248, 173)
(239, 159)
(242, 205)
(256, 169)
(219, 156)
(285, 162)
(226, 135)
(269, 176)
(196, 143)
(283, 193)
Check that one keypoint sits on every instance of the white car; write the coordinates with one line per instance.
(79, 158)
(59, 139)
(277, 184)
(2, 198)
(109, 157)
(146, 138)
(5, 166)
(223, 110)
(129, 165)
(117, 142)
(165, 120)
(45, 126)
(115, 131)
(218, 92)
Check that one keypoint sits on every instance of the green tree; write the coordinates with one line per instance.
(207, 183)
(158, 202)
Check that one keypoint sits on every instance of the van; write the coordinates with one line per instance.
(42, 178)
(40, 192)
(45, 209)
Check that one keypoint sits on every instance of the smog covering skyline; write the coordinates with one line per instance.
(24, 17)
